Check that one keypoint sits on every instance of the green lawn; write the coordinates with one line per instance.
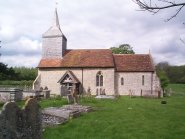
(124, 118)
(177, 89)
(127, 118)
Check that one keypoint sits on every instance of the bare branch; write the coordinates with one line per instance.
(166, 1)
(182, 40)
(154, 8)
(144, 5)
(175, 13)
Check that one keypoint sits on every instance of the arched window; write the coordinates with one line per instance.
(99, 79)
(122, 81)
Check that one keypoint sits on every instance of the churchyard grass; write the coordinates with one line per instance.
(124, 118)
(127, 118)
(45, 103)
(53, 102)
(177, 89)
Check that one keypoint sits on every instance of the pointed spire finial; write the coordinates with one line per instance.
(56, 19)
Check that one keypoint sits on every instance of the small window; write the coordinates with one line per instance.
(143, 80)
(99, 79)
(122, 81)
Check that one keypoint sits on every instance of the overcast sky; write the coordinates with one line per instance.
(89, 24)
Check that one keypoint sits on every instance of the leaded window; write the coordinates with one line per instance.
(99, 79)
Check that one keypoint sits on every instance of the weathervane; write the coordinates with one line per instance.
(56, 4)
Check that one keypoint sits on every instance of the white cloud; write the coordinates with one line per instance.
(22, 46)
(7, 31)
(21, 60)
(89, 24)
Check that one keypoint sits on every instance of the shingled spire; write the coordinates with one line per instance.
(56, 19)
(54, 41)
(54, 30)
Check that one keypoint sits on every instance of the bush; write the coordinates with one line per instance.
(163, 102)
(9, 82)
(1, 104)
(15, 84)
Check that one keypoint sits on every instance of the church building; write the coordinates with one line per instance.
(94, 71)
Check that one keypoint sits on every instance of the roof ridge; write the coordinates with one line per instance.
(129, 54)
(88, 49)
(133, 63)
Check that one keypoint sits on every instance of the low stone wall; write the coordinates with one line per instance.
(43, 94)
(17, 94)
(11, 95)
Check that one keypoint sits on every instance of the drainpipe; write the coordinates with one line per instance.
(82, 80)
(152, 82)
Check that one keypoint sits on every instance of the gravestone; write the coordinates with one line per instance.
(20, 124)
(9, 121)
(74, 95)
(32, 127)
(70, 99)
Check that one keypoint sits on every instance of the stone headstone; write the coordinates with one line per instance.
(20, 124)
(9, 121)
(33, 119)
(70, 99)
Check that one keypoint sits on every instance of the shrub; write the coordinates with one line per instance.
(21, 84)
(163, 102)
(1, 104)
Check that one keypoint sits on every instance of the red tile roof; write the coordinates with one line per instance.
(133, 63)
(95, 58)
(101, 58)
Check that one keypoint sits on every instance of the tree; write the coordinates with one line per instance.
(122, 49)
(162, 66)
(175, 74)
(163, 79)
(153, 7)
(7, 73)
(25, 73)
(0, 47)
(3, 71)
(161, 69)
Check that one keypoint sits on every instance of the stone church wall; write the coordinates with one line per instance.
(156, 85)
(112, 86)
(133, 83)
(50, 77)
(108, 80)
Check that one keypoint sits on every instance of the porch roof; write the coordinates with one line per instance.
(71, 75)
